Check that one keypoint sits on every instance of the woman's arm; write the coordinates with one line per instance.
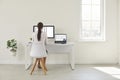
(46, 40)
(32, 37)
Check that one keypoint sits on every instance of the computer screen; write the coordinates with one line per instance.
(49, 29)
(60, 38)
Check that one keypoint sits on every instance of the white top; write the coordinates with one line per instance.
(38, 49)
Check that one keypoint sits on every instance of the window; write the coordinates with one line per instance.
(92, 20)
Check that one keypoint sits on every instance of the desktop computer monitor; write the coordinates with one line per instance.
(49, 29)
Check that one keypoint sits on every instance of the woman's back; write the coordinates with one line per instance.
(43, 37)
(38, 49)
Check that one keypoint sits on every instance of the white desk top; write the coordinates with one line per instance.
(52, 43)
(68, 43)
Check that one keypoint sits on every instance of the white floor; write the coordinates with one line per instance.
(61, 72)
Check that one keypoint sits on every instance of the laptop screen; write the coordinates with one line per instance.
(60, 37)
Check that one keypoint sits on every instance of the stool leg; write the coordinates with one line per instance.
(34, 66)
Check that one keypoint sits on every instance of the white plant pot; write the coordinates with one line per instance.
(13, 53)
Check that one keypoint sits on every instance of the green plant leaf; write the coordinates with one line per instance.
(12, 44)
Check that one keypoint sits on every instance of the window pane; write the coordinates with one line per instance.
(86, 25)
(95, 12)
(96, 28)
(86, 1)
(85, 33)
(95, 1)
(86, 12)
(96, 25)
(91, 20)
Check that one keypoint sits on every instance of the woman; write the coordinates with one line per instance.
(38, 49)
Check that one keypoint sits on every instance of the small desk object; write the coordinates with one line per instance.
(52, 47)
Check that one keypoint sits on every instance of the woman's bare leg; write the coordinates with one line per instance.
(44, 59)
(42, 65)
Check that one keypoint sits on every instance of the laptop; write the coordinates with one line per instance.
(61, 38)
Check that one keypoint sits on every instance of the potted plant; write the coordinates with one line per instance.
(12, 46)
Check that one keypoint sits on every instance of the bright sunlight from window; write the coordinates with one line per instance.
(113, 71)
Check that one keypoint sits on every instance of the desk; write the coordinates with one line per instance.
(52, 47)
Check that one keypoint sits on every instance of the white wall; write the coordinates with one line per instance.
(119, 29)
(18, 16)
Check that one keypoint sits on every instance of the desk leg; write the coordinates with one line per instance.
(28, 59)
(28, 64)
(72, 59)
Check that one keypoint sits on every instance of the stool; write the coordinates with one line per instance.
(42, 64)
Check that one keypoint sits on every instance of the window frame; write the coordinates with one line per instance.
(102, 23)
